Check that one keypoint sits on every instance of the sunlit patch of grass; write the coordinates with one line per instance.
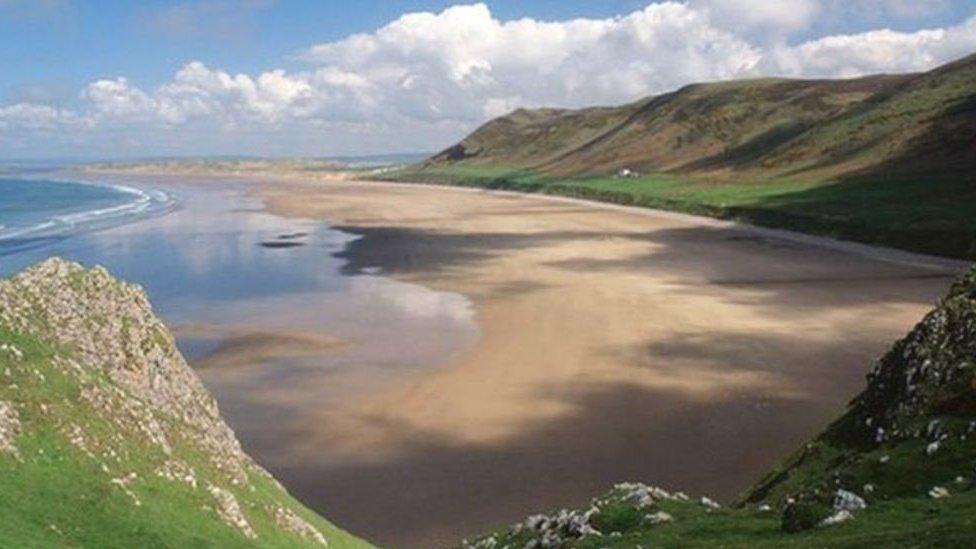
(56, 493)
(930, 216)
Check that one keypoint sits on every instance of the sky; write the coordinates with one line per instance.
(118, 79)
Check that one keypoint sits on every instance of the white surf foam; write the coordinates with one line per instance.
(143, 203)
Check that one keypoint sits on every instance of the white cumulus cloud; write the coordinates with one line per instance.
(874, 51)
(463, 63)
(34, 117)
(422, 80)
(749, 15)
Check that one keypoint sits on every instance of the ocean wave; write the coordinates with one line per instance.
(144, 203)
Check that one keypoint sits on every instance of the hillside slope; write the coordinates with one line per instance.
(750, 128)
(888, 160)
(895, 470)
(925, 124)
(108, 438)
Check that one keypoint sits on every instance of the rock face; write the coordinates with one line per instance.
(926, 375)
(911, 428)
(84, 360)
(9, 427)
(111, 324)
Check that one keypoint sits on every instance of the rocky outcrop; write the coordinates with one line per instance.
(628, 505)
(928, 374)
(230, 510)
(9, 427)
(103, 375)
(287, 519)
(110, 325)
(922, 393)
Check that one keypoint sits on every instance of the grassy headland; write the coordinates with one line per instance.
(108, 439)
(885, 159)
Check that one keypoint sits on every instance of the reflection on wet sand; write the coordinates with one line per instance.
(280, 334)
(242, 347)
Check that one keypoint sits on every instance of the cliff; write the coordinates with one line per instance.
(108, 438)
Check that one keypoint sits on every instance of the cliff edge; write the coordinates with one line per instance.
(109, 439)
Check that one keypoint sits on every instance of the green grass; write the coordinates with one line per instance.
(56, 494)
(905, 523)
(914, 521)
(934, 216)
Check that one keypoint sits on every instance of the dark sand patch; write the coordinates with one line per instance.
(244, 348)
(292, 236)
(281, 244)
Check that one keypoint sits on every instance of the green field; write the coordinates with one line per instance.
(933, 216)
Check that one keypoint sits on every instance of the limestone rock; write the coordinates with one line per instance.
(230, 511)
(288, 520)
(9, 428)
(110, 325)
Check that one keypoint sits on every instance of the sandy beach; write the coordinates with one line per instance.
(614, 346)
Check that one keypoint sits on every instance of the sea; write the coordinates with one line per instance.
(265, 307)
(35, 212)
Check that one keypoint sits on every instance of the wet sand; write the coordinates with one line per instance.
(615, 346)
(279, 334)
(240, 348)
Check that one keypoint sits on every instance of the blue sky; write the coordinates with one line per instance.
(56, 50)
(266, 77)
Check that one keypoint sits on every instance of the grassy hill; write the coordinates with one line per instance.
(887, 159)
(746, 129)
(703, 125)
(107, 437)
(895, 470)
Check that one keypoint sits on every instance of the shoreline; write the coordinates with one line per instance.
(617, 344)
(882, 253)
(144, 204)
(874, 251)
